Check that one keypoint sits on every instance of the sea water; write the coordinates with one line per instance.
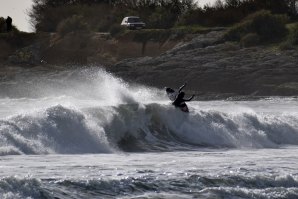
(83, 133)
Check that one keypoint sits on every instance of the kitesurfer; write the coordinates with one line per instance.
(180, 101)
(172, 94)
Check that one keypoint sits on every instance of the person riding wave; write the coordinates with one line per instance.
(180, 101)
(177, 98)
(172, 94)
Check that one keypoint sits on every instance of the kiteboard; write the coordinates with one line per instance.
(184, 109)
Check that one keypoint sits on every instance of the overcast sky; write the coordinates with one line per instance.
(18, 9)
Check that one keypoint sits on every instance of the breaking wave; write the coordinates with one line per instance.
(94, 112)
(139, 127)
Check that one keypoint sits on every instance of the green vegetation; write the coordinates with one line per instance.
(229, 12)
(293, 35)
(251, 22)
(72, 23)
(14, 37)
(262, 25)
(101, 15)
(116, 29)
(250, 39)
(18, 39)
(3, 26)
(292, 38)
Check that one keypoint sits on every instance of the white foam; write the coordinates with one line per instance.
(90, 111)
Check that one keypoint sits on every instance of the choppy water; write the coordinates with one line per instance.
(86, 134)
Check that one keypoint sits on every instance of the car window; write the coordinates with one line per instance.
(133, 20)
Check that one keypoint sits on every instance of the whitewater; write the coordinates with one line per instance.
(84, 133)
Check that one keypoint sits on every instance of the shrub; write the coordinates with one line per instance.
(251, 39)
(236, 32)
(267, 26)
(293, 35)
(286, 45)
(72, 24)
(116, 29)
(2, 25)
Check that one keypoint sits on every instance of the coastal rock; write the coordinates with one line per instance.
(99, 48)
(216, 68)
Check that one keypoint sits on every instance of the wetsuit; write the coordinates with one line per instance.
(180, 102)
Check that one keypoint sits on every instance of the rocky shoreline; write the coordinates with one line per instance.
(212, 67)
(215, 69)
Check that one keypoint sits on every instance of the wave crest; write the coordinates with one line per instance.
(139, 127)
(55, 130)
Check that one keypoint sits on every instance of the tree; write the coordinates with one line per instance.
(47, 14)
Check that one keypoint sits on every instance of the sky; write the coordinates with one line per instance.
(18, 11)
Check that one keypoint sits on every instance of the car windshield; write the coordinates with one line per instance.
(133, 20)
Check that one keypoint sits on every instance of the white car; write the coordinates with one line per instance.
(133, 22)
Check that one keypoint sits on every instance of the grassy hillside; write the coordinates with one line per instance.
(85, 31)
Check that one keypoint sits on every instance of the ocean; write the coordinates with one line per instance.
(84, 133)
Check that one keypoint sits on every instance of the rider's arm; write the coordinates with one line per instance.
(189, 98)
(180, 89)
